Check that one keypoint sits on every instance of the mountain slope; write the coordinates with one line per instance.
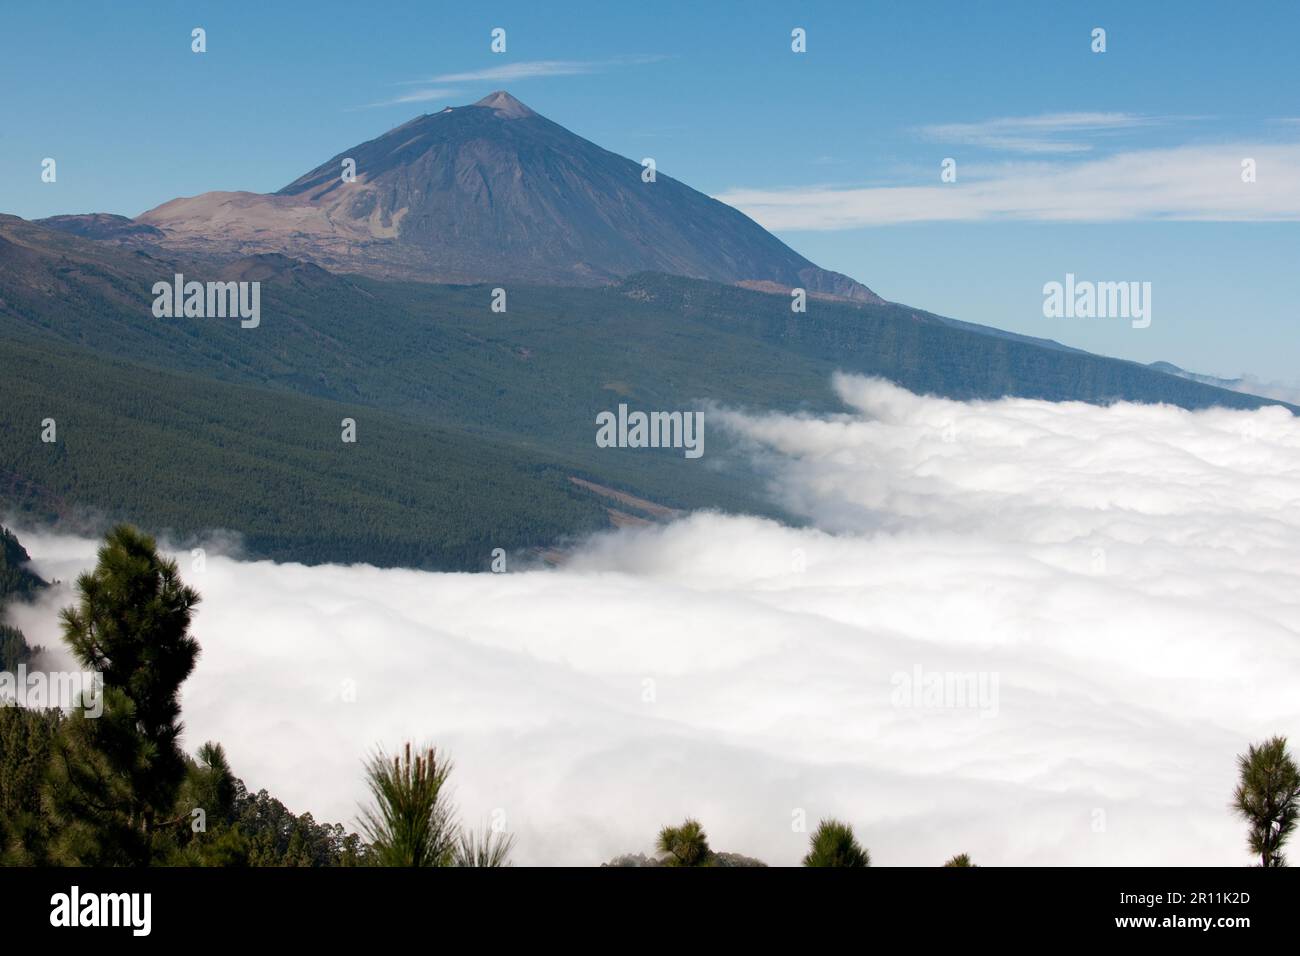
(17, 582)
(471, 423)
(1248, 384)
(543, 368)
(494, 193)
(186, 455)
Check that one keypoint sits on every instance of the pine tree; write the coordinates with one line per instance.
(685, 845)
(1268, 797)
(488, 848)
(115, 777)
(833, 844)
(210, 785)
(207, 835)
(412, 822)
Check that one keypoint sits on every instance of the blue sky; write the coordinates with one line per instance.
(1115, 166)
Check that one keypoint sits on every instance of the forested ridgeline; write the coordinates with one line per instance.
(17, 583)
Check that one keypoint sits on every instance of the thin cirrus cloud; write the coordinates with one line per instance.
(1192, 183)
(434, 88)
(1129, 576)
(1048, 133)
(420, 96)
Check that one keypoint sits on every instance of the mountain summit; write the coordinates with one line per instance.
(494, 192)
(505, 105)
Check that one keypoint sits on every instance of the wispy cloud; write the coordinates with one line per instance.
(433, 87)
(420, 96)
(1047, 133)
(1179, 183)
(507, 72)
(425, 95)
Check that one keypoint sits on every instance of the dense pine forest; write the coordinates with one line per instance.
(272, 466)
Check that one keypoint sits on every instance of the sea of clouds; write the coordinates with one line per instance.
(1117, 589)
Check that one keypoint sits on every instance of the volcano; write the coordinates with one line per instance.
(494, 192)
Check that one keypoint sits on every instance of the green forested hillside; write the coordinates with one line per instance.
(188, 455)
(17, 582)
(556, 356)
(470, 421)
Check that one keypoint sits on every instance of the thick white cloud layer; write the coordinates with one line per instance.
(1118, 588)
